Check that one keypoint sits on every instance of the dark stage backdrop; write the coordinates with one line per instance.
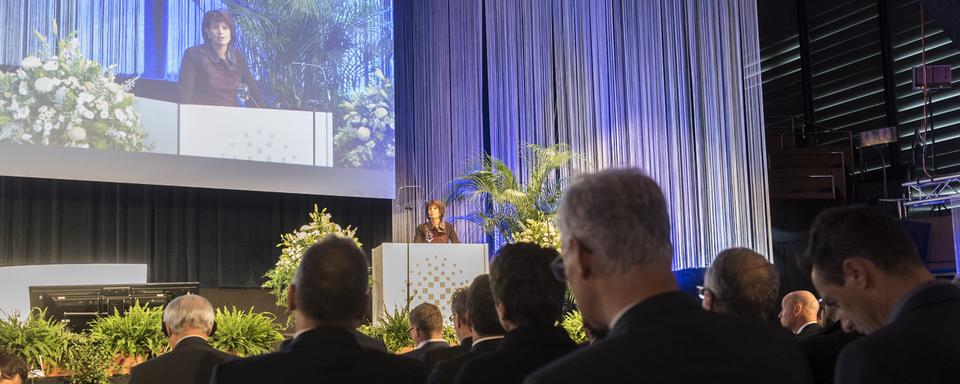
(221, 238)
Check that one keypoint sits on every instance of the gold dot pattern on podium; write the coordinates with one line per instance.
(434, 280)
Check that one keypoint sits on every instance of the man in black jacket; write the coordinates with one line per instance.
(864, 263)
(798, 313)
(486, 328)
(617, 257)
(529, 301)
(188, 321)
(328, 298)
(426, 330)
(461, 326)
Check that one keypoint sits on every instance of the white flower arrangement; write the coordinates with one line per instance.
(541, 231)
(68, 100)
(366, 140)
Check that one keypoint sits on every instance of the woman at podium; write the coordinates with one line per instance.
(435, 230)
(215, 72)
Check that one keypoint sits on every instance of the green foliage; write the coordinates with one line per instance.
(245, 333)
(37, 339)
(134, 333)
(87, 360)
(292, 245)
(573, 323)
(450, 335)
(367, 137)
(514, 203)
(393, 328)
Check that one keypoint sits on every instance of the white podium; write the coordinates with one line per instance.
(435, 272)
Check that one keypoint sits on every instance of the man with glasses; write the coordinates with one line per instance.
(865, 264)
(461, 325)
(617, 263)
(426, 330)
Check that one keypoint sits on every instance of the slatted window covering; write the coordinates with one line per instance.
(780, 62)
(945, 106)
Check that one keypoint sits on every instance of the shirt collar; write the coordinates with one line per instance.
(478, 341)
(425, 342)
(187, 337)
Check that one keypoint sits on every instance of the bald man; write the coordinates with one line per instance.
(798, 313)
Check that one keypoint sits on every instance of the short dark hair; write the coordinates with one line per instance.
(11, 366)
(427, 318)
(523, 283)
(218, 16)
(331, 281)
(481, 308)
(857, 231)
(744, 284)
(458, 304)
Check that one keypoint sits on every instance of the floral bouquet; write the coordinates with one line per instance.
(541, 231)
(68, 100)
(294, 244)
(367, 138)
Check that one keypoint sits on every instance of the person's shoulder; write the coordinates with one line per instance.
(399, 368)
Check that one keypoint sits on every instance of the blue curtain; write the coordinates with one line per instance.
(670, 86)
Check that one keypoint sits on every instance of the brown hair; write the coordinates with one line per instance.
(435, 203)
(215, 17)
(427, 318)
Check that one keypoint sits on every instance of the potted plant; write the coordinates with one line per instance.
(38, 339)
(132, 336)
(245, 333)
(87, 359)
(393, 328)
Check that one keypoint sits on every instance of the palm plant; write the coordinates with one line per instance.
(507, 202)
(245, 333)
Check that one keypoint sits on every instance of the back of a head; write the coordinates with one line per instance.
(744, 283)
(522, 282)
(427, 318)
(620, 215)
(458, 304)
(12, 366)
(858, 231)
(481, 308)
(188, 312)
(331, 281)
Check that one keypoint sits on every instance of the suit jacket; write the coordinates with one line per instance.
(422, 229)
(668, 338)
(366, 342)
(431, 346)
(321, 355)
(430, 358)
(809, 330)
(919, 345)
(521, 351)
(445, 372)
(823, 348)
(191, 361)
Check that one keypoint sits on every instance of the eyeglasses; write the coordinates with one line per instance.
(556, 266)
(452, 316)
(701, 291)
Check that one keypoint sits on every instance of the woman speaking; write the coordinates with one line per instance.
(435, 230)
(215, 72)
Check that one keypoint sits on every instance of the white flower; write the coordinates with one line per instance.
(380, 112)
(50, 66)
(21, 113)
(363, 133)
(43, 85)
(103, 114)
(85, 97)
(30, 62)
(88, 114)
(22, 89)
(77, 134)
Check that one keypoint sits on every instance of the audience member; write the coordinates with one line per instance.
(366, 342)
(864, 263)
(461, 325)
(741, 282)
(823, 348)
(188, 321)
(617, 259)
(328, 297)
(426, 329)
(13, 370)
(486, 328)
(798, 313)
(529, 302)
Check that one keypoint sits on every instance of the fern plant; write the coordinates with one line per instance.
(506, 203)
(135, 333)
(87, 359)
(39, 340)
(393, 328)
(573, 323)
(245, 333)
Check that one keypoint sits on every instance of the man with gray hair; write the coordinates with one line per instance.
(617, 257)
(740, 282)
(188, 321)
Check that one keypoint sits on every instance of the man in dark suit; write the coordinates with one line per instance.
(616, 258)
(823, 348)
(188, 321)
(864, 263)
(529, 301)
(486, 328)
(461, 325)
(798, 313)
(328, 297)
(426, 330)
(741, 282)
(366, 342)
